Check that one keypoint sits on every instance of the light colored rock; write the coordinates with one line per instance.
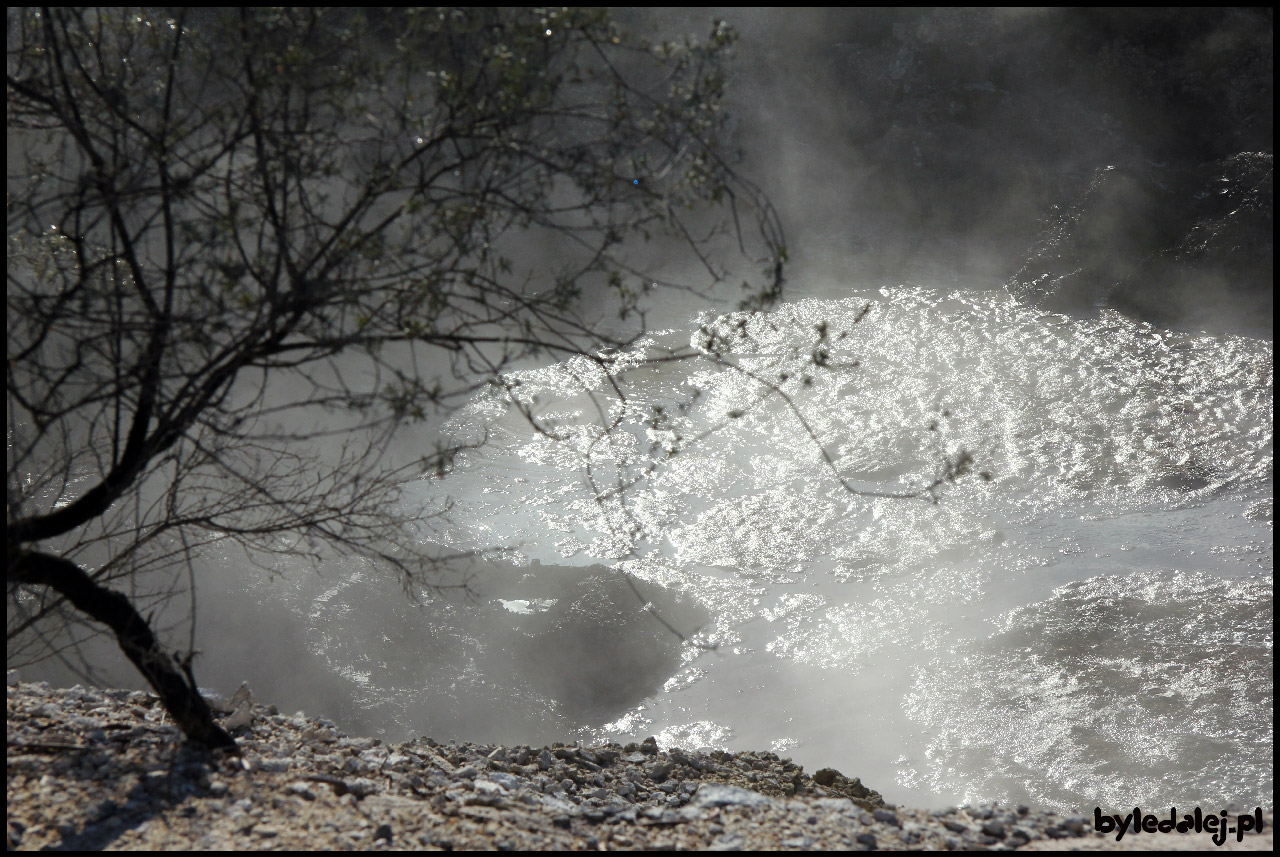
(140, 790)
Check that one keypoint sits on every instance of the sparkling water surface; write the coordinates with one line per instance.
(1091, 626)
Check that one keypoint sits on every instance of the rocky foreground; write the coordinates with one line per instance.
(93, 769)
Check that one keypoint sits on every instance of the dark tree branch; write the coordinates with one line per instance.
(230, 201)
(178, 693)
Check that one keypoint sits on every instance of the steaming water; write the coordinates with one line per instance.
(1090, 627)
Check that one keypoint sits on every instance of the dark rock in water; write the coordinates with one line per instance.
(1183, 247)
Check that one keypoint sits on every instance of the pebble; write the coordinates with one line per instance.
(295, 787)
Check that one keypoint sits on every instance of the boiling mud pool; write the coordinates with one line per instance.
(1090, 627)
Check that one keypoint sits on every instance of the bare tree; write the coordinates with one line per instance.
(223, 221)
(222, 218)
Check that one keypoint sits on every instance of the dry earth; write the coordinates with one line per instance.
(92, 769)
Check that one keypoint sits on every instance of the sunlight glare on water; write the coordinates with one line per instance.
(1091, 626)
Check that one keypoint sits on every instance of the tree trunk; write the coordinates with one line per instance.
(176, 690)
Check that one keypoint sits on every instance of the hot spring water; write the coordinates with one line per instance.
(1091, 626)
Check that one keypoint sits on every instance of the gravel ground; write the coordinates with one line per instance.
(93, 769)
